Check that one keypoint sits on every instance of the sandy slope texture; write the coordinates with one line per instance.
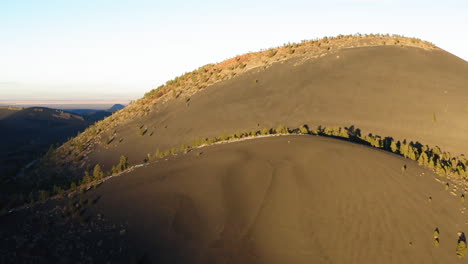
(287, 199)
(403, 92)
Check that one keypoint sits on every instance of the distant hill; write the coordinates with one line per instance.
(95, 114)
(6, 111)
(27, 133)
(91, 114)
(116, 107)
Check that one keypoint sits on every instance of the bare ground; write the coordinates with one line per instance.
(294, 199)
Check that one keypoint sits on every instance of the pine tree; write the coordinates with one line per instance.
(86, 179)
(423, 159)
(304, 130)
(394, 147)
(461, 248)
(97, 172)
(404, 150)
(123, 164)
(282, 129)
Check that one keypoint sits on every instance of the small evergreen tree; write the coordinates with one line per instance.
(423, 159)
(282, 129)
(97, 172)
(86, 179)
(266, 131)
(461, 248)
(304, 130)
(436, 242)
(394, 147)
(123, 164)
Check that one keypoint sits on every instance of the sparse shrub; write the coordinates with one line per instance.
(184, 148)
(143, 131)
(210, 141)
(76, 157)
(43, 195)
(272, 53)
(197, 142)
(223, 136)
(80, 147)
(58, 190)
(403, 168)
(204, 79)
(238, 134)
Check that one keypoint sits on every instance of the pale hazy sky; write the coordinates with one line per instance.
(118, 50)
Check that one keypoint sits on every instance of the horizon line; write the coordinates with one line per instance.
(63, 102)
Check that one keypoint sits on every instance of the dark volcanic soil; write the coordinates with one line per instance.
(288, 199)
